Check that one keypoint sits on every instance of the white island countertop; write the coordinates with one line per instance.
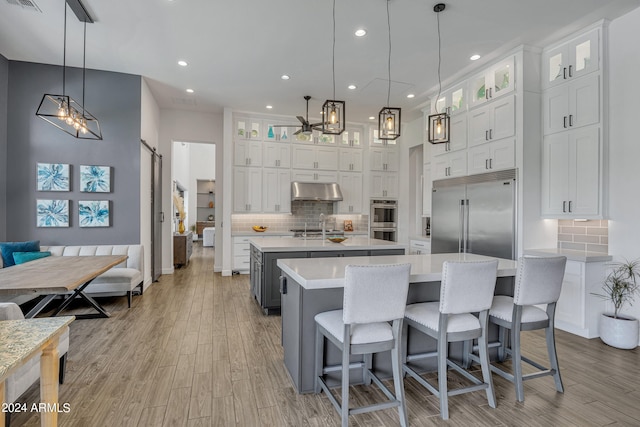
(328, 273)
(352, 243)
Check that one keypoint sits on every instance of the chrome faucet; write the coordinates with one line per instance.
(323, 223)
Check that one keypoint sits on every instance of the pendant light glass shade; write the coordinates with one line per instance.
(61, 110)
(67, 115)
(389, 123)
(333, 117)
(439, 128)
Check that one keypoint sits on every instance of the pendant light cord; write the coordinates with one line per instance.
(439, 62)
(389, 57)
(333, 51)
(84, 61)
(64, 51)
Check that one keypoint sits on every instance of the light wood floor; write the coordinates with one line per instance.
(195, 350)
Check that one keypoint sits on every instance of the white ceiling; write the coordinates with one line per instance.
(238, 49)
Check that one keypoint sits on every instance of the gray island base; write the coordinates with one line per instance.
(310, 288)
(265, 252)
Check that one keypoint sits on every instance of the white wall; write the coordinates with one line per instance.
(181, 125)
(149, 124)
(624, 142)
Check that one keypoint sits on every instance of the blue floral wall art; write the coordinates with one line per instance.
(93, 213)
(52, 213)
(95, 179)
(52, 177)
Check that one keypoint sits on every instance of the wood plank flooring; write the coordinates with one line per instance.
(195, 350)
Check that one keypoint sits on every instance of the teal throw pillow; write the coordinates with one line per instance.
(22, 257)
(8, 248)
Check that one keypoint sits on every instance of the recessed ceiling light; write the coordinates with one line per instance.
(372, 118)
(352, 87)
(411, 95)
(475, 57)
(269, 107)
(182, 63)
(189, 90)
(285, 77)
(360, 32)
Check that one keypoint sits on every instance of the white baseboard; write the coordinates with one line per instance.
(227, 272)
(167, 270)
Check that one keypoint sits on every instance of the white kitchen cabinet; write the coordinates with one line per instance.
(276, 190)
(315, 137)
(247, 128)
(384, 184)
(276, 155)
(572, 105)
(494, 82)
(427, 186)
(492, 122)
(572, 174)
(457, 136)
(313, 176)
(351, 137)
(571, 59)
(377, 142)
(350, 160)
(384, 159)
(277, 131)
(449, 165)
(315, 157)
(578, 310)
(241, 254)
(351, 186)
(419, 247)
(491, 156)
(247, 153)
(455, 99)
(247, 189)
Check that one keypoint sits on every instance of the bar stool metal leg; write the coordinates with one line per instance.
(551, 348)
(319, 360)
(516, 353)
(483, 352)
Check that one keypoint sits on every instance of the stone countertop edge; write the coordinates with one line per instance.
(329, 272)
(352, 243)
(572, 255)
(288, 233)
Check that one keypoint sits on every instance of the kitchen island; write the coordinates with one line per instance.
(265, 252)
(309, 288)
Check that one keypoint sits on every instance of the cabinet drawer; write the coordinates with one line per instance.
(241, 262)
(241, 249)
(420, 244)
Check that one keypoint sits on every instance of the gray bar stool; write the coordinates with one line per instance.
(538, 281)
(467, 287)
(373, 296)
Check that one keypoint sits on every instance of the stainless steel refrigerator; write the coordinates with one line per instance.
(475, 214)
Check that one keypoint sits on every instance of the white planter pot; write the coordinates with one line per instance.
(620, 333)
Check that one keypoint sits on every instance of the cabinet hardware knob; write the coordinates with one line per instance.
(564, 122)
(564, 73)
(486, 135)
(570, 75)
(570, 119)
(569, 205)
(564, 206)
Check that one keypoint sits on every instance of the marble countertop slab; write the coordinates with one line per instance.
(352, 243)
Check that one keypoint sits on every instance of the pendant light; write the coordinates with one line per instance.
(439, 125)
(64, 112)
(333, 112)
(389, 117)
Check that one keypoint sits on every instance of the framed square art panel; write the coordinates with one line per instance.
(52, 177)
(95, 179)
(52, 213)
(93, 213)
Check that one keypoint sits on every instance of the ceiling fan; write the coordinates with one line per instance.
(305, 127)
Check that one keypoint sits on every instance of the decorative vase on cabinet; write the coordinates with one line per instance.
(181, 228)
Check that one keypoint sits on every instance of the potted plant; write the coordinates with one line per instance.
(619, 288)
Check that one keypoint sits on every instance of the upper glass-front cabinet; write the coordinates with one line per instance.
(494, 82)
(351, 138)
(454, 99)
(247, 128)
(572, 59)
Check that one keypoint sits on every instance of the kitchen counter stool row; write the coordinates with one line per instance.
(375, 318)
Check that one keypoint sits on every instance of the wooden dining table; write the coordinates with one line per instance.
(55, 276)
(20, 340)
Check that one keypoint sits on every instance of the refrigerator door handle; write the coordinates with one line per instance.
(461, 236)
(466, 226)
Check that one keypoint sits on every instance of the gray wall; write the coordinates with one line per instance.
(114, 98)
(4, 88)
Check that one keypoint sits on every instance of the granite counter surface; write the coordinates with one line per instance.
(581, 256)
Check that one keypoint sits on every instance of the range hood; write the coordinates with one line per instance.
(329, 192)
